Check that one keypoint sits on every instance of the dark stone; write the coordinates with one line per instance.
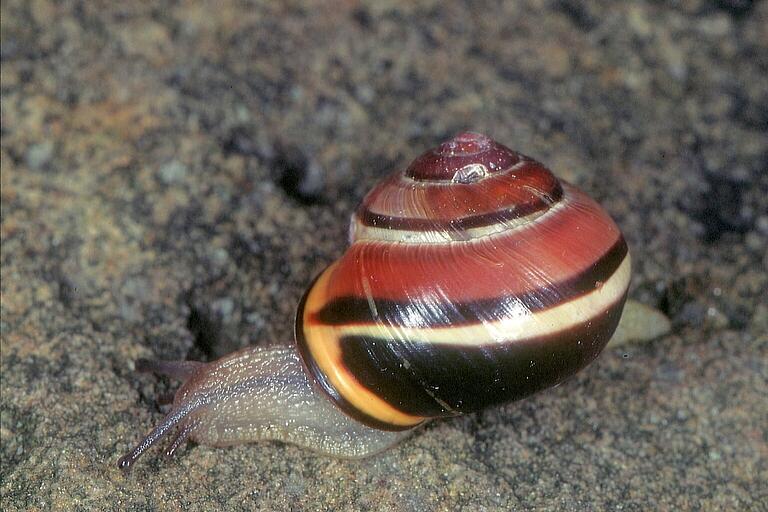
(205, 329)
(736, 7)
(299, 175)
(578, 13)
(721, 208)
(362, 17)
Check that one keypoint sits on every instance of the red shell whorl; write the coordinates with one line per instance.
(461, 189)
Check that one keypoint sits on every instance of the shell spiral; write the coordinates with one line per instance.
(473, 278)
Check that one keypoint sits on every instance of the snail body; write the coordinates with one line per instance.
(473, 278)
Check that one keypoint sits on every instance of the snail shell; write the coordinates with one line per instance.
(474, 277)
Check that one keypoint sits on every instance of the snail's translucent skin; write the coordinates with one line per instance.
(256, 394)
(473, 278)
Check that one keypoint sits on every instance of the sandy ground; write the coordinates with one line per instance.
(174, 175)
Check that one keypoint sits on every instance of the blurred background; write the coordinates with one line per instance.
(175, 173)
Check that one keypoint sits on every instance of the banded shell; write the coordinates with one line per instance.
(474, 277)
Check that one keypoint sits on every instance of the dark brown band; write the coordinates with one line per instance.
(357, 310)
(541, 202)
(445, 380)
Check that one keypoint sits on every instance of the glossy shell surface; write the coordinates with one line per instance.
(474, 277)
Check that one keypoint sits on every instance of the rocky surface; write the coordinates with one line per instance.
(174, 174)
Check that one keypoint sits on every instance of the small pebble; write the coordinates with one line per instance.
(173, 172)
(38, 155)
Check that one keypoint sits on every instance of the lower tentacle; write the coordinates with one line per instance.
(176, 417)
(181, 437)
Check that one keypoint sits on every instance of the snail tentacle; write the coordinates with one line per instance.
(176, 417)
(180, 438)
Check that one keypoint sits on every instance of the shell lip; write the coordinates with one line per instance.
(322, 383)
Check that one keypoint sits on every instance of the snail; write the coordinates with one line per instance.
(473, 278)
